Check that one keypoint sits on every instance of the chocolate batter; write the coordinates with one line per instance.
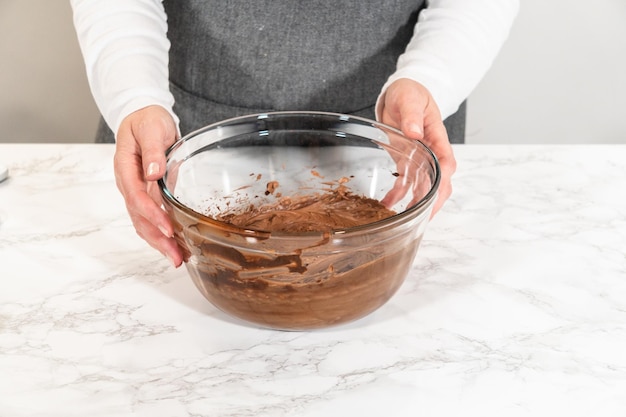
(335, 209)
(301, 283)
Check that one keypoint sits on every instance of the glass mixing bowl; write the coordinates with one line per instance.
(288, 279)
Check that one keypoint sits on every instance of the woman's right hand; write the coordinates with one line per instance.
(139, 162)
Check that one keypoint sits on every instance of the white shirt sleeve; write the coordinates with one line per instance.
(125, 48)
(454, 44)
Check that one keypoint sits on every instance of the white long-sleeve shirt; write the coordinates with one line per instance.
(125, 48)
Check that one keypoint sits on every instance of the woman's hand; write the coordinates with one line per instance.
(142, 139)
(408, 106)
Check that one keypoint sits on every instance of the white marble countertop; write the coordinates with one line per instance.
(515, 306)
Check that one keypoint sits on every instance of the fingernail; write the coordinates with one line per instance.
(153, 168)
(415, 128)
(164, 231)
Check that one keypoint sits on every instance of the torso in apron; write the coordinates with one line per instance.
(235, 57)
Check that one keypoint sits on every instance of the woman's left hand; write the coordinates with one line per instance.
(407, 105)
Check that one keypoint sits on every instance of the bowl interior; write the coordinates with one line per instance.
(256, 160)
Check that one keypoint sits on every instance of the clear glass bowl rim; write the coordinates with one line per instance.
(369, 227)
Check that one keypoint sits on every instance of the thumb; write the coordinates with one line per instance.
(154, 133)
(406, 102)
(411, 117)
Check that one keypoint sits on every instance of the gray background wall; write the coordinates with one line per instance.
(44, 95)
(559, 79)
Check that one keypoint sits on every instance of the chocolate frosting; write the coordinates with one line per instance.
(320, 283)
(335, 209)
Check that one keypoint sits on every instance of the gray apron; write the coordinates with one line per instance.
(236, 57)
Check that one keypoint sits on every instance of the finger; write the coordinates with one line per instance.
(436, 138)
(166, 245)
(447, 165)
(396, 193)
(444, 192)
(152, 224)
(139, 203)
(154, 193)
(154, 134)
(412, 116)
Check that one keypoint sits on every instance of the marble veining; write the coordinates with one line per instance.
(515, 305)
